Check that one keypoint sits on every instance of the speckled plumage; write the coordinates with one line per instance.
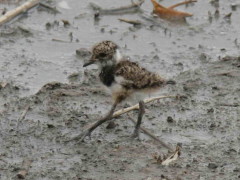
(136, 77)
(103, 51)
(122, 76)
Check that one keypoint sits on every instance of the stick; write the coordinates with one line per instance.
(25, 167)
(229, 74)
(229, 105)
(54, 9)
(152, 136)
(125, 9)
(133, 22)
(135, 107)
(60, 40)
(3, 161)
(181, 3)
(13, 13)
(122, 111)
(22, 116)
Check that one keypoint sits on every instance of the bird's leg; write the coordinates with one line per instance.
(99, 122)
(140, 115)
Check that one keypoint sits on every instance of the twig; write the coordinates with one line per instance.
(3, 160)
(229, 105)
(22, 116)
(54, 9)
(25, 167)
(25, 30)
(60, 40)
(133, 22)
(122, 111)
(3, 169)
(125, 9)
(15, 12)
(136, 106)
(152, 136)
(229, 74)
(181, 3)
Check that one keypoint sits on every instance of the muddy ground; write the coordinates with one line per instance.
(40, 74)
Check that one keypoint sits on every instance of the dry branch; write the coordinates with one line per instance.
(181, 3)
(53, 9)
(228, 105)
(125, 9)
(15, 12)
(60, 40)
(135, 107)
(228, 74)
(3, 160)
(133, 22)
(22, 115)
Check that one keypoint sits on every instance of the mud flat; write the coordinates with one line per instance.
(47, 97)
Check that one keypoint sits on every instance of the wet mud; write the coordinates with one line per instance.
(46, 97)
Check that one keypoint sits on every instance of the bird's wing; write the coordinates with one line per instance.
(132, 76)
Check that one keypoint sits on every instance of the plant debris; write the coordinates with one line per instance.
(133, 22)
(53, 9)
(134, 7)
(169, 13)
(166, 160)
(3, 84)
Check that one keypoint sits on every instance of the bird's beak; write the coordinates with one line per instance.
(88, 63)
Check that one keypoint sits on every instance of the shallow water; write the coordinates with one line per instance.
(34, 60)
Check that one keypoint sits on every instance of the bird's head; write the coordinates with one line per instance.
(104, 53)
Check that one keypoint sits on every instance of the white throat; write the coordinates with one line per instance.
(117, 56)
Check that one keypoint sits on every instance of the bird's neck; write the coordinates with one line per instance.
(117, 56)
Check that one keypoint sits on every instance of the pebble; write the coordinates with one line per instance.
(170, 119)
(234, 7)
(212, 166)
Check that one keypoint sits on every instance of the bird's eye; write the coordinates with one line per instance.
(102, 55)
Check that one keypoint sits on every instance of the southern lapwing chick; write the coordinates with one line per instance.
(123, 78)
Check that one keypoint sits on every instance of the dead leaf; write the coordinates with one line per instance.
(3, 84)
(169, 13)
(166, 160)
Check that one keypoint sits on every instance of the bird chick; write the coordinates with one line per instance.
(123, 78)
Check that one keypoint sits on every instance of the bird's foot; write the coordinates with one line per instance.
(135, 134)
(84, 134)
(111, 125)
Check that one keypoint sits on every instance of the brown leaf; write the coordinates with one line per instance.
(169, 13)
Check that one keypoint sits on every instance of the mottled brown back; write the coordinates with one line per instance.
(137, 77)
